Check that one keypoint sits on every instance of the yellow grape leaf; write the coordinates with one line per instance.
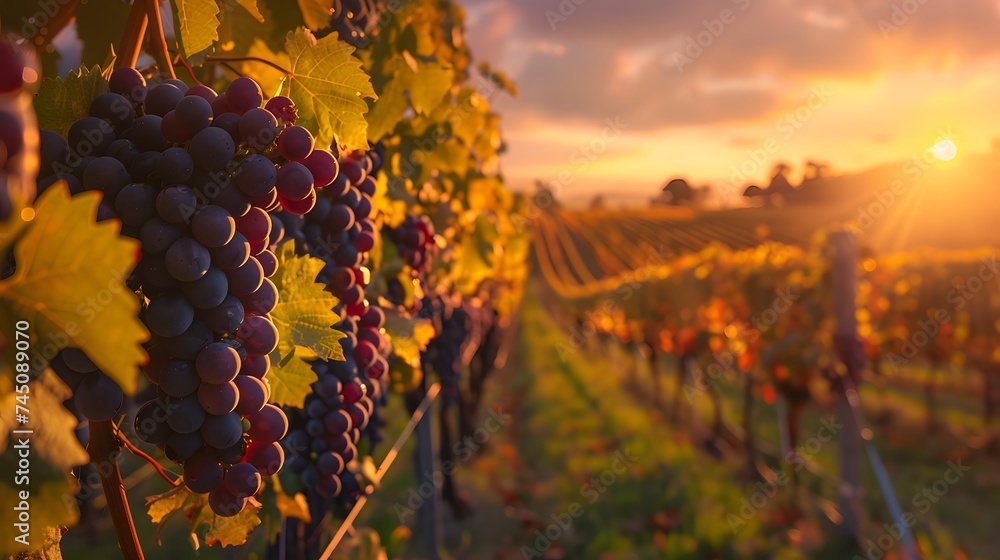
(270, 78)
(197, 25)
(52, 439)
(304, 313)
(290, 376)
(251, 7)
(316, 13)
(233, 531)
(295, 507)
(329, 88)
(68, 266)
(161, 506)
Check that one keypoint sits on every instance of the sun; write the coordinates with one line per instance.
(944, 150)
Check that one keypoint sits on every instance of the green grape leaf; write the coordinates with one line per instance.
(70, 285)
(415, 83)
(316, 13)
(197, 25)
(304, 313)
(329, 88)
(60, 102)
(251, 7)
(291, 377)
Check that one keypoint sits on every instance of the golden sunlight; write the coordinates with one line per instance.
(945, 150)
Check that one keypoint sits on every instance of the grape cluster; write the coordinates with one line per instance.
(345, 400)
(193, 174)
(415, 240)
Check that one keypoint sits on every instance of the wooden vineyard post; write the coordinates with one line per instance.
(848, 345)
(428, 512)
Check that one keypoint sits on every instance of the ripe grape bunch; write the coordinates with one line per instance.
(193, 175)
(343, 407)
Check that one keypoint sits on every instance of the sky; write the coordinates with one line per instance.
(619, 96)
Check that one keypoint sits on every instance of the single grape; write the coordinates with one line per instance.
(282, 108)
(295, 182)
(353, 170)
(136, 203)
(209, 291)
(226, 317)
(175, 165)
(246, 279)
(125, 151)
(224, 503)
(98, 397)
(230, 122)
(151, 424)
(298, 207)
(295, 143)
(169, 315)
(232, 255)
(90, 136)
(177, 203)
(258, 335)
(268, 425)
(243, 94)
(258, 128)
(323, 166)
(106, 174)
(255, 366)
(184, 415)
(217, 363)
(222, 431)
(218, 399)
(194, 113)
(243, 480)
(213, 226)
(172, 130)
(203, 473)
(267, 457)
(187, 260)
(330, 463)
(115, 109)
(181, 447)
(128, 82)
(179, 378)
(255, 225)
(253, 394)
(187, 344)
(268, 262)
(212, 149)
(147, 133)
(162, 98)
(255, 175)
(202, 91)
